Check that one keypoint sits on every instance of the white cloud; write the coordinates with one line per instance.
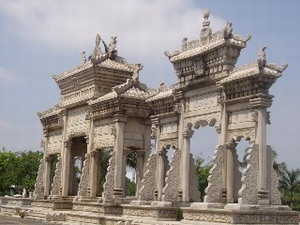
(143, 27)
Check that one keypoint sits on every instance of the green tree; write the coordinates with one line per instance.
(18, 170)
(289, 185)
(202, 171)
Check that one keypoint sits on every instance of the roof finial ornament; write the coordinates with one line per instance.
(228, 30)
(206, 32)
(83, 57)
(136, 69)
(97, 51)
(206, 21)
(261, 58)
(112, 48)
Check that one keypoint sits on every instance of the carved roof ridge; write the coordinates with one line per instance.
(73, 71)
(108, 63)
(253, 68)
(163, 91)
(131, 89)
(49, 112)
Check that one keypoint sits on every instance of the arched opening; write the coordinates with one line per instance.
(203, 146)
(78, 151)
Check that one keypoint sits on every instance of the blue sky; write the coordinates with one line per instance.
(42, 38)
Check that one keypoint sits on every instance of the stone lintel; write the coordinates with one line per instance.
(119, 118)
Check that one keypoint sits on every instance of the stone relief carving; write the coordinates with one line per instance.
(214, 189)
(275, 196)
(54, 142)
(212, 119)
(237, 135)
(107, 194)
(241, 117)
(171, 188)
(104, 136)
(203, 102)
(56, 184)
(77, 123)
(194, 183)
(146, 192)
(39, 184)
(166, 144)
(84, 179)
(248, 191)
(169, 128)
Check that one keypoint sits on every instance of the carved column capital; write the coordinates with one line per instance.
(264, 101)
(155, 121)
(187, 133)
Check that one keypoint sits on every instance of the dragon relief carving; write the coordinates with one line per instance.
(84, 179)
(146, 192)
(214, 189)
(39, 184)
(108, 186)
(56, 184)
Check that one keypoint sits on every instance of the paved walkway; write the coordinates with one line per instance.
(11, 220)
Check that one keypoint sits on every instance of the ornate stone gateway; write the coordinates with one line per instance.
(104, 107)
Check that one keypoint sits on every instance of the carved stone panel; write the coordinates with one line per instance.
(55, 142)
(104, 135)
(169, 131)
(77, 123)
(203, 102)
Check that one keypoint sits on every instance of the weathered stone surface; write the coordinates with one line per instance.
(171, 190)
(84, 180)
(248, 191)
(56, 184)
(214, 189)
(146, 192)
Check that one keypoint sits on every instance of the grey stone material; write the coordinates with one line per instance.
(104, 106)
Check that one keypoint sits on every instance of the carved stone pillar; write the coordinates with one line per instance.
(66, 168)
(48, 160)
(223, 139)
(261, 104)
(47, 165)
(187, 134)
(94, 175)
(147, 141)
(230, 153)
(119, 149)
(124, 183)
(139, 170)
(160, 172)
